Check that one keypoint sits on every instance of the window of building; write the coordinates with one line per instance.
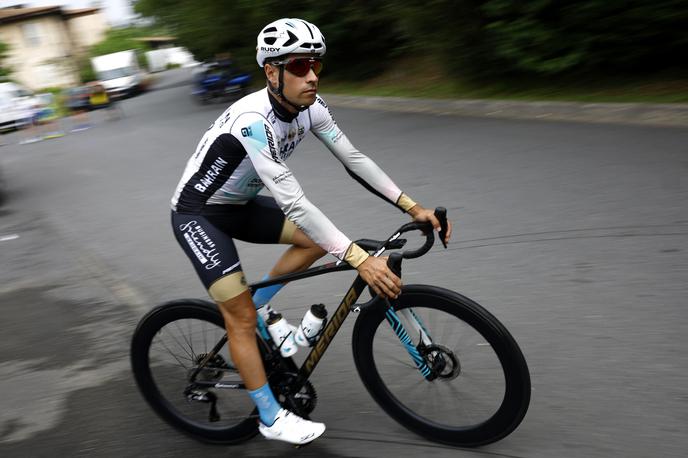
(32, 34)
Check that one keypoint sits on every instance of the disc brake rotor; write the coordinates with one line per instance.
(441, 360)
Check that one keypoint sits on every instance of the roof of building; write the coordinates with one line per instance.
(81, 12)
(14, 14)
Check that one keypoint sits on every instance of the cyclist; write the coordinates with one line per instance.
(217, 201)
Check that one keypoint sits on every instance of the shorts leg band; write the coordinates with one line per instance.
(228, 287)
(287, 234)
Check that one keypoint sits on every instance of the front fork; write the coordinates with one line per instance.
(393, 318)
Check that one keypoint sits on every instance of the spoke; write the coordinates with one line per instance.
(173, 355)
(404, 363)
(205, 341)
(188, 342)
(190, 355)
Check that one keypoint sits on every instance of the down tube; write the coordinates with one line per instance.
(331, 330)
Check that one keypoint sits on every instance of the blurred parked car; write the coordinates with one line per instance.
(76, 99)
(16, 104)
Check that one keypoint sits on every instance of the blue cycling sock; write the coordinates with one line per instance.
(265, 295)
(268, 407)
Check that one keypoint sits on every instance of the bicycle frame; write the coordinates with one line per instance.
(334, 324)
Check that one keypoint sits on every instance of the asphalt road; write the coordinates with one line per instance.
(574, 235)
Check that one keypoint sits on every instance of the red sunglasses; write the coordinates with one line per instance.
(300, 66)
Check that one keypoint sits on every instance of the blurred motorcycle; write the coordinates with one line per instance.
(215, 85)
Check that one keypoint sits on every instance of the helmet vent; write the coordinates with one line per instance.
(270, 40)
(292, 39)
(270, 29)
(317, 45)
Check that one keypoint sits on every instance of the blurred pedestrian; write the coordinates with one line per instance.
(31, 131)
(48, 117)
(77, 101)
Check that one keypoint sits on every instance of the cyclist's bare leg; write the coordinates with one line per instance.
(300, 256)
(240, 313)
(240, 320)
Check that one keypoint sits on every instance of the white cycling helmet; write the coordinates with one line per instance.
(287, 36)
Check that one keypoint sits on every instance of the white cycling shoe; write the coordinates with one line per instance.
(289, 427)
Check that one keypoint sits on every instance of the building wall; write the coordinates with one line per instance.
(40, 53)
(87, 30)
(43, 50)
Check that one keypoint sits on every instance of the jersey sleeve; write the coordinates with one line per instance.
(357, 164)
(259, 140)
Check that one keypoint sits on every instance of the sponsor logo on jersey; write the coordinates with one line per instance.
(225, 118)
(201, 244)
(286, 150)
(281, 177)
(255, 183)
(246, 131)
(271, 143)
(213, 172)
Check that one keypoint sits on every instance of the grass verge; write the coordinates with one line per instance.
(428, 80)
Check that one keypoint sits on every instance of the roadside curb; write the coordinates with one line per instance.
(673, 115)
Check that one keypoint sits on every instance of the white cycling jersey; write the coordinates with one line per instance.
(246, 148)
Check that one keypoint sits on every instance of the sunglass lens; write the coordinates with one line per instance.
(301, 67)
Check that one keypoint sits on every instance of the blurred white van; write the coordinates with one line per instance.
(16, 106)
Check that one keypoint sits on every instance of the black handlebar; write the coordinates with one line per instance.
(394, 261)
(427, 229)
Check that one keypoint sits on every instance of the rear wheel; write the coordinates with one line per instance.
(478, 390)
(168, 345)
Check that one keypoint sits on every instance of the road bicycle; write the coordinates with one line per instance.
(434, 360)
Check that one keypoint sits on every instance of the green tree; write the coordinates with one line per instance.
(361, 35)
(4, 70)
(549, 37)
(489, 38)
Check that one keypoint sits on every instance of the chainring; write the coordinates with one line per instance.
(306, 398)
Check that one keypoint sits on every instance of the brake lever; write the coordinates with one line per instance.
(441, 215)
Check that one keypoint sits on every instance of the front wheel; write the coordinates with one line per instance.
(473, 384)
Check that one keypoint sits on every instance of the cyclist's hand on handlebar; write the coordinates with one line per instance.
(420, 214)
(375, 273)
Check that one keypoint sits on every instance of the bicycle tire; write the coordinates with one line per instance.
(426, 299)
(144, 334)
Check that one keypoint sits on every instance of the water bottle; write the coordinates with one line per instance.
(282, 334)
(265, 311)
(311, 324)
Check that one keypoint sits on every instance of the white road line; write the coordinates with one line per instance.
(7, 238)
